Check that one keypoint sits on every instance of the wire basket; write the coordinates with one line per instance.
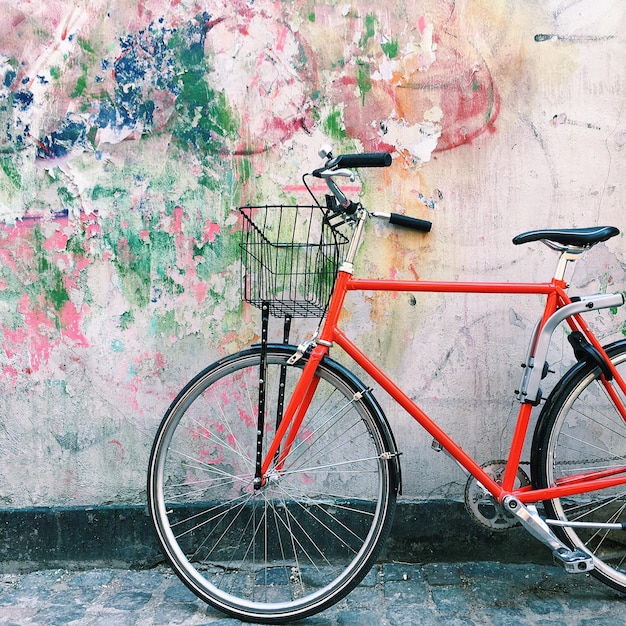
(290, 256)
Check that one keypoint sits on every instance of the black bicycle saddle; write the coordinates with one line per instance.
(582, 237)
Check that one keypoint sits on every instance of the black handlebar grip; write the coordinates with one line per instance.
(368, 159)
(423, 226)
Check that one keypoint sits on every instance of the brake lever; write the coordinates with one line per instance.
(329, 173)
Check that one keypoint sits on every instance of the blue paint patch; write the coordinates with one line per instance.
(150, 61)
(71, 133)
(23, 99)
(14, 131)
(144, 64)
(9, 78)
(117, 345)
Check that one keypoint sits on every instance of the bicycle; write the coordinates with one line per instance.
(274, 474)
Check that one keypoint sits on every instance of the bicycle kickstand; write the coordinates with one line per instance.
(572, 561)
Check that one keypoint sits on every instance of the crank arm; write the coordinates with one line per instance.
(572, 561)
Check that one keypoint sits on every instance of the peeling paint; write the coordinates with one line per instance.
(129, 132)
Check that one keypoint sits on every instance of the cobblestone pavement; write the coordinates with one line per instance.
(462, 594)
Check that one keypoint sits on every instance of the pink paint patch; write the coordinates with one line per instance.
(356, 189)
(210, 232)
(176, 224)
(120, 448)
(246, 418)
(306, 434)
(10, 373)
(200, 291)
(282, 37)
(421, 25)
(39, 326)
(56, 241)
(216, 459)
(81, 263)
(71, 319)
(34, 336)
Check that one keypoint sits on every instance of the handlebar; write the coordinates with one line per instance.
(413, 223)
(339, 166)
(367, 159)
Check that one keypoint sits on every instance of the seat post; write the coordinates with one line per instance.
(569, 254)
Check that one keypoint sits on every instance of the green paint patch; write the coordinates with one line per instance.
(364, 79)
(50, 276)
(126, 320)
(203, 116)
(55, 72)
(100, 192)
(370, 27)
(244, 170)
(85, 45)
(66, 196)
(334, 127)
(11, 172)
(166, 324)
(81, 84)
(312, 16)
(390, 48)
(132, 260)
(204, 121)
(76, 244)
(56, 291)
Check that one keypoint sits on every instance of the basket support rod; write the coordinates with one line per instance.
(265, 316)
(280, 405)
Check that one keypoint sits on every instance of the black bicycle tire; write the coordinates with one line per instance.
(544, 456)
(366, 403)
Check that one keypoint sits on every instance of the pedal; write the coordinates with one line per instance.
(573, 561)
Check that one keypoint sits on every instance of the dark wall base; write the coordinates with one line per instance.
(123, 536)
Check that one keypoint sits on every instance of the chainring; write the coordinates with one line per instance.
(482, 506)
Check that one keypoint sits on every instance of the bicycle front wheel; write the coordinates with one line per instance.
(579, 431)
(310, 534)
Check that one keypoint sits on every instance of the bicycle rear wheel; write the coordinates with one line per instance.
(306, 538)
(580, 430)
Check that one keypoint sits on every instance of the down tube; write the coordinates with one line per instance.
(418, 415)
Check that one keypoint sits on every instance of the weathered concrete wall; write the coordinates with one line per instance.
(130, 131)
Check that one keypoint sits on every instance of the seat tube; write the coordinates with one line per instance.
(523, 418)
(517, 444)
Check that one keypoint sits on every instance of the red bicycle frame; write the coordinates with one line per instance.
(331, 334)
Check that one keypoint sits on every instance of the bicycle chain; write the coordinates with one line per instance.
(577, 462)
